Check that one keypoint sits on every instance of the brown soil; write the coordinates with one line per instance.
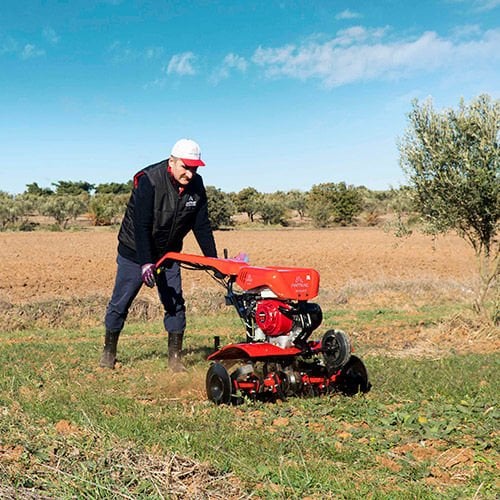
(359, 268)
(40, 266)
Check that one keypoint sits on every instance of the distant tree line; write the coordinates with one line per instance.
(66, 201)
(325, 205)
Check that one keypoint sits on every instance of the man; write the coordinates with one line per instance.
(168, 200)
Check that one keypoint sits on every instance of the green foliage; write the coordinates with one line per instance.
(320, 204)
(452, 159)
(35, 190)
(297, 200)
(247, 201)
(11, 209)
(106, 209)
(400, 203)
(114, 188)
(330, 202)
(400, 200)
(220, 208)
(72, 188)
(376, 203)
(272, 208)
(346, 204)
(32, 201)
(63, 208)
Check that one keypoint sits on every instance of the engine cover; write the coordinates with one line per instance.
(270, 319)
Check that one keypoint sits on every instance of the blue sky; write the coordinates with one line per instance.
(280, 94)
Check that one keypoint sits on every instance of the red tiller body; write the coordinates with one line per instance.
(277, 359)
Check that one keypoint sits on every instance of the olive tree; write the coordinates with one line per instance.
(220, 208)
(247, 201)
(333, 202)
(106, 209)
(297, 200)
(272, 208)
(451, 158)
(63, 208)
(10, 210)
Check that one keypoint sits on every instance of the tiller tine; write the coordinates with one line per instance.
(353, 378)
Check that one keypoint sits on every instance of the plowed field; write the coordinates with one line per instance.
(46, 265)
(65, 279)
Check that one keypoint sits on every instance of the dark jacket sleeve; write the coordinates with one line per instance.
(143, 220)
(203, 231)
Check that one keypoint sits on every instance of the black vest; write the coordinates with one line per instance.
(174, 215)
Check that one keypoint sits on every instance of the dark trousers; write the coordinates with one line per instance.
(127, 285)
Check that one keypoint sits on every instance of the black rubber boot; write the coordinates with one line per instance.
(175, 351)
(108, 358)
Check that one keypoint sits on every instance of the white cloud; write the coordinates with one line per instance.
(122, 52)
(478, 5)
(485, 5)
(488, 4)
(358, 34)
(50, 35)
(157, 83)
(358, 54)
(347, 14)
(236, 62)
(232, 62)
(30, 51)
(182, 64)
(27, 51)
(466, 30)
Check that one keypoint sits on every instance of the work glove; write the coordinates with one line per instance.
(241, 257)
(148, 275)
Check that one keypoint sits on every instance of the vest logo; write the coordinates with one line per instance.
(191, 202)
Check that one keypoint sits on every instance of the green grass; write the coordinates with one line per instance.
(428, 429)
(424, 315)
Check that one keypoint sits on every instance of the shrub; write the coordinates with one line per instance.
(220, 208)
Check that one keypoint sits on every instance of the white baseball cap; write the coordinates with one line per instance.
(189, 152)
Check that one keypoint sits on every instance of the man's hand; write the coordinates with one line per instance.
(241, 257)
(148, 275)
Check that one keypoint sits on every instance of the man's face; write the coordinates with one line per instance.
(181, 173)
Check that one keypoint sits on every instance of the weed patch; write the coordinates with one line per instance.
(65, 459)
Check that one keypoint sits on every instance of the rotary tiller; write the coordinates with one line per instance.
(277, 359)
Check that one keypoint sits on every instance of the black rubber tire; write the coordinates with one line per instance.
(353, 378)
(218, 384)
(336, 348)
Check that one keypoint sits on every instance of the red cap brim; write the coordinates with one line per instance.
(192, 163)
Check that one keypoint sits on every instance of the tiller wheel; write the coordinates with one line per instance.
(218, 383)
(336, 349)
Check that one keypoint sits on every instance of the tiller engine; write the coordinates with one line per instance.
(277, 358)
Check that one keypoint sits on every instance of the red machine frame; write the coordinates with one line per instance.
(277, 359)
